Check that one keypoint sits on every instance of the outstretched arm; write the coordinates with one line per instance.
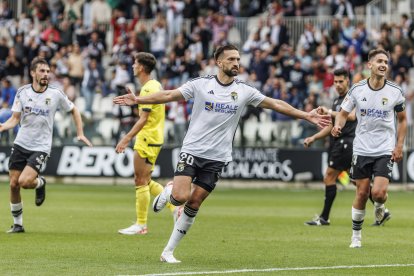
(11, 122)
(285, 108)
(160, 97)
(79, 126)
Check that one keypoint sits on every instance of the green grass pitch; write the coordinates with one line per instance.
(75, 233)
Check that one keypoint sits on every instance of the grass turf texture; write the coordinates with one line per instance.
(75, 233)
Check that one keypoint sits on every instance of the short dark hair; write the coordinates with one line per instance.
(378, 51)
(221, 49)
(147, 60)
(36, 61)
(341, 72)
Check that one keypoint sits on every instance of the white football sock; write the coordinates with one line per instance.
(181, 228)
(40, 182)
(17, 213)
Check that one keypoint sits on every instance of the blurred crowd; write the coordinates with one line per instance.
(90, 43)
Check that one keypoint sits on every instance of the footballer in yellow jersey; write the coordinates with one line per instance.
(150, 138)
(149, 133)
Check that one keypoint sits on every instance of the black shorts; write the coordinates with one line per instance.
(369, 166)
(204, 172)
(21, 157)
(340, 154)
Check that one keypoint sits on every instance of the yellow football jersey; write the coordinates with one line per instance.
(153, 131)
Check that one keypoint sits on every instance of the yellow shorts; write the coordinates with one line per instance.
(148, 152)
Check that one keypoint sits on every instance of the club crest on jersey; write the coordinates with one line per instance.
(363, 112)
(234, 96)
(384, 101)
(180, 167)
(48, 100)
(209, 106)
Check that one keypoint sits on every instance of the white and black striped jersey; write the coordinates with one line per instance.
(216, 112)
(37, 116)
(376, 114)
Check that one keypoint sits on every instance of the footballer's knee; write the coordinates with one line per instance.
(379, 195)
(26, 182)
(180, 197)
(330, 178)
(362, 195)
(14, 186)
(141, 181)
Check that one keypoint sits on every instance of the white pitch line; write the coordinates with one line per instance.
(279, 269)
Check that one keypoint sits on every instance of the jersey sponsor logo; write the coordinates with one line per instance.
(234, 96)
(375, 113)
(384, 101)
(36, 110)
(221, 107)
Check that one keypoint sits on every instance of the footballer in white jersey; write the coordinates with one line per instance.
(37, 111)
(34, 109)
(218, 103)
(379, 138)
(375, 111)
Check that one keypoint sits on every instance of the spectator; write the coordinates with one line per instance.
(323, 8)
(8, 93)
(205, 35)
(190, 11)
(344, 8)
(75, 64)
(95, 48)
(5, 12)
(91, 84)
(335, 59)
(66, 32)
(14, 68)
(158, 37)
(220, 26)
(297, 8)
(400, 62)
(174, 16)
(279, 34)
(252, 43)
(72, 11)
(310, 38)
(121, 77)
(100, 12)
(69, 89)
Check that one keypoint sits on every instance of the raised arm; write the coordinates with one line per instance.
(285, 108)
(11, 122)
(79, 126)
(160, 97)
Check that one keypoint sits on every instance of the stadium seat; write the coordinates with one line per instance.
(80, 104)
(106, 128)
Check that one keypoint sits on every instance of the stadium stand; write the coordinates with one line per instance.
(294, 51)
